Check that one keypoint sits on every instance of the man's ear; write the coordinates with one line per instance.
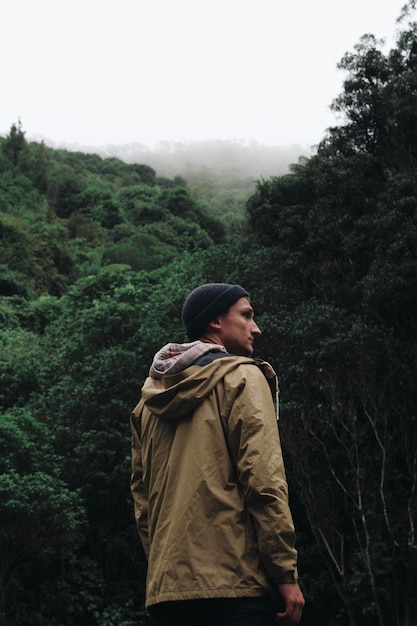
(215, 323)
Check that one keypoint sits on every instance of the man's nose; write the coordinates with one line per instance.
(256, 330)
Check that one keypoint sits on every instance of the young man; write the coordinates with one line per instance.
(208, 479)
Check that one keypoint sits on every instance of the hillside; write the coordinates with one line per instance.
(222, 175)
(65, 214)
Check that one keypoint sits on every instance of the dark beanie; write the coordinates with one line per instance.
(204, 303)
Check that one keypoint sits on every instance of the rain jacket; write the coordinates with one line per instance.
(208, 480)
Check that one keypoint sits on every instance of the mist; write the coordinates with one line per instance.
(220, 158)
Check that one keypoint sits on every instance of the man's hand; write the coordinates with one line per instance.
(294, 603)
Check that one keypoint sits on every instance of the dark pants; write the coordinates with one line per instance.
(215, 612)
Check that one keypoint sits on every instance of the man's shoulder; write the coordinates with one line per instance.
(234, 367)
(255, 373)
(248, 368)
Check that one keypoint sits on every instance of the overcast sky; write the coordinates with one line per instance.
(100, 72)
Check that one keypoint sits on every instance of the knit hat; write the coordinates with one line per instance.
(206, 302)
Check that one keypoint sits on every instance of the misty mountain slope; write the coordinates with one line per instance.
(219, 158)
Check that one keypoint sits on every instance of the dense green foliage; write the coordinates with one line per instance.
(96, 259)
(64, 215)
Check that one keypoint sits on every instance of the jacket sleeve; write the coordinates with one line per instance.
(255, 447)
(136, 482)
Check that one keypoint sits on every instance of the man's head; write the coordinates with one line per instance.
(221, 313)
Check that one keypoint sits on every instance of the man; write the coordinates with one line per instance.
(208, 480)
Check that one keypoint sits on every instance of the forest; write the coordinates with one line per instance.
(96, 258)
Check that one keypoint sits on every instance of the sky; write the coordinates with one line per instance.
(101, 72)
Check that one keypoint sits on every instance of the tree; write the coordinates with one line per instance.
(15, 143)
(64, 189)
(41, 521)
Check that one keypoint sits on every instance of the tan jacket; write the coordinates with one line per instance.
(209, 486)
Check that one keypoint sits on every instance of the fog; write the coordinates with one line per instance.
(221, 158)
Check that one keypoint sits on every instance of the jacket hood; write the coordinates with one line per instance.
(176, 357)
(176, 387)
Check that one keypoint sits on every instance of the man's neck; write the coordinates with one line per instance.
(211, 338)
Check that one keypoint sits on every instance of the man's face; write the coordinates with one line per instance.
(238, 329)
